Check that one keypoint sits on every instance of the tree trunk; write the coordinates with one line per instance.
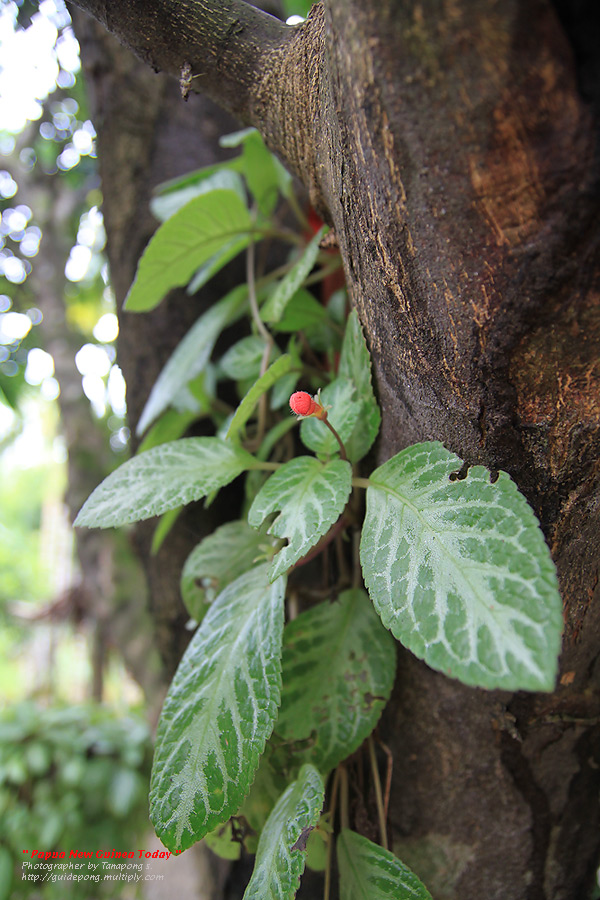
(453, 147)
(146, 135)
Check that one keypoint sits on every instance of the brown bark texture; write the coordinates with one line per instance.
(453, 146)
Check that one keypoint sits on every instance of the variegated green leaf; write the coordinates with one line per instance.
(217, 561)
(343, 410)
(368, 872)
(311, 496)
(281, 853)
(219, 712)
(459, 571)
(163, 478)
(338, 671)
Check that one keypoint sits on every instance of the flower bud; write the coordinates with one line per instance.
(302, 404)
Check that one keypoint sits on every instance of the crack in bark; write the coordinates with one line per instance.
(521, 772)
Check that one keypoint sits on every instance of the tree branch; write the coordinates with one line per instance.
(260, 70)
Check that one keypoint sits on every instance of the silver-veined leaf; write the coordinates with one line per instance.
(368, 872)
(163, 478)
(219, 712)
(217, 561)
(281, 853)
(338, 671)
(459, 571)
(310, 496)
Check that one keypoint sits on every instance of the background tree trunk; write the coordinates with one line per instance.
(454, 149)
(147, 135)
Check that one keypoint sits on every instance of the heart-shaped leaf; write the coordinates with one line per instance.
(311, 496)
(217, 561)
(338, 671)
(459, 571)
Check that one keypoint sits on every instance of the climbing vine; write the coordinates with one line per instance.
(288, 671)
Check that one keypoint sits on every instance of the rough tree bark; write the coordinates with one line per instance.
(454, 148)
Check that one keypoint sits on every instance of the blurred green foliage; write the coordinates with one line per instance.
(23, 574)
(70, 779)
(297, 7)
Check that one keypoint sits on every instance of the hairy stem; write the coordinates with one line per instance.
(337, 437)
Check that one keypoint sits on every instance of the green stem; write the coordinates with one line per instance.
(274, 436)
(332, 811)
(264, 333)
(361, 482)
(260, 325)
(322, 273)
(344, 813)
(266, 466)
(378, 795)
(337, 437)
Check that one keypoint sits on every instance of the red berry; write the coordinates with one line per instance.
(302, 403)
